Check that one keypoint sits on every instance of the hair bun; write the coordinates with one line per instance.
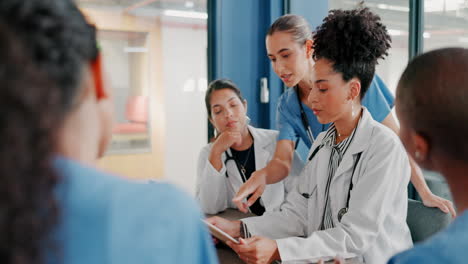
(351, 36)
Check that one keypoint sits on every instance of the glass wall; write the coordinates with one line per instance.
(125, 55)
(445, 24)
(155, 58)
(395, 15)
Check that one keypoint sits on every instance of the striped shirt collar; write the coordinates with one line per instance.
(337, 153)
(330, 138)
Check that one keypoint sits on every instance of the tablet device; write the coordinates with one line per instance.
(220, 234)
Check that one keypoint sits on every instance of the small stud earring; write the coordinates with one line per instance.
(417, 154)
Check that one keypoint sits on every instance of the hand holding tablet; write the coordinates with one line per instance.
(220, 234)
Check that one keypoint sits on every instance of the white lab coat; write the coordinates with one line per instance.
(375, 226)
(215, 191)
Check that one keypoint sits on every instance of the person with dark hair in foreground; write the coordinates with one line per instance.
(55, 121)
(352, 198)
(432, 106)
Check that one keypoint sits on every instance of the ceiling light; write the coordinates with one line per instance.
(395, 32)
(393, 7)
(185, 14)
(463, 39)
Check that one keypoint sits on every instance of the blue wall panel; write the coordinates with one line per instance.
(239, 50)
(313, 10)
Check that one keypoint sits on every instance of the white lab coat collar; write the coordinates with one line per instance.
(261, 144)
(358, 145)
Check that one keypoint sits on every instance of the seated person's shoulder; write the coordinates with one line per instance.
(448, 246)
(113, 192)
(416, 255)
(162, 219)
(384, 137)
(144, 221)
(205, 150)
(424, 253)
(267, 133)
(166, 198)
(267, 137)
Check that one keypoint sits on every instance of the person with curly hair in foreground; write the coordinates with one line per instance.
(352, 200)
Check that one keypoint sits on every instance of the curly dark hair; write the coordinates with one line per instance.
(28, 107)
(56, 36)
(53, 37)
(353, 40)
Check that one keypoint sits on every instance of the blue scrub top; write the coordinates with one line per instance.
(448, 246)
(378, 100)
(106, 219)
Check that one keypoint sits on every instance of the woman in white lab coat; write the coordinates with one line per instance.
(238, 150)
(352, 200)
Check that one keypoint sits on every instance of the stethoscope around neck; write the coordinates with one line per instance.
(241, 173)
(343, 210)
(228, 158)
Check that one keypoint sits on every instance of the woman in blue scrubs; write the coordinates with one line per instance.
(290, 47)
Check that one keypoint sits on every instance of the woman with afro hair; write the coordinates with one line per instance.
(352, 198)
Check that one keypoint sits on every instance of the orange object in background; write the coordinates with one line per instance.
(96, 67)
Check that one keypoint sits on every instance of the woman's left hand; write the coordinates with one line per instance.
(432, 200)
(256, 250)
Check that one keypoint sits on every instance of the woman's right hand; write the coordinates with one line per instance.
(232, 228)
(225, 140)
(255, 186)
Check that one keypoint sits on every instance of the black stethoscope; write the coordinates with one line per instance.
(241, 172)
(228, 158)
(343, 210)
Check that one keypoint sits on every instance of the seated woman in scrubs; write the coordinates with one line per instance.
(352, 197)
(238, 150)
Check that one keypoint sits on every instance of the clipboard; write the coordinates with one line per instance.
(220, 234)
